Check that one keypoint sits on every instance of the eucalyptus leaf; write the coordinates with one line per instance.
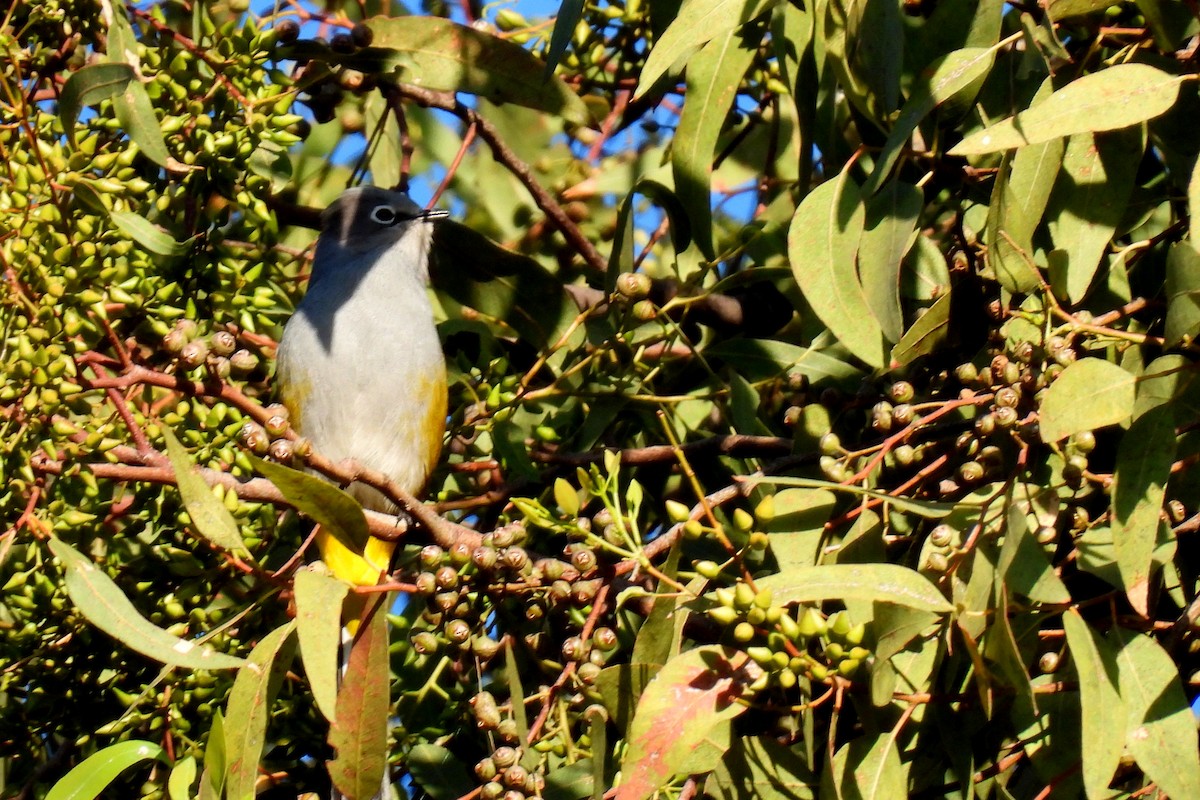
(107, 607)
(1113, 98)
(1089, 394)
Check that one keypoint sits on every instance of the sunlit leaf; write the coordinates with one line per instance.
(1091, 195)
(87, 86)
(147, 234)
(697, 23)
(435, 53)
(822, 243)
(713, 77)
(336, 512)
(1089, 394)
(107, 607)
(1144, 459)
(359, 737)
(689, 699)
(1160, 730)
(926, 334)
(1099, 703)
(210, 517)
(1113, 98)
(880, 583)
(92, 776)
(249, 708)
(889, 231)
(319, 627)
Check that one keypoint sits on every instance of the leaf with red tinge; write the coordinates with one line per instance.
(360, 734)
(692, 696)
(249, 708)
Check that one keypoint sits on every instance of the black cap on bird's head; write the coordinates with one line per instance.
(366, 217)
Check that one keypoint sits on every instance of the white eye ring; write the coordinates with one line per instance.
(384, 215)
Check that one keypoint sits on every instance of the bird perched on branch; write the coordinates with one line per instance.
(359, 365)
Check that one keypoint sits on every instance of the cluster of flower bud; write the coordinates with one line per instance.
(217, 352)
(504, 777)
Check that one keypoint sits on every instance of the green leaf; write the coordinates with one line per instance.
(1144, 459)
(1089, 394)
(360, 734)
(319, 599)
(697, 23)
(88, 86)
(1108, 100)
(90, 778)
(923, 508)
(1160, 730)
(945, 77)
(1024, 566)
(713, 77)
(1090, 198)
(153, 238)
(655, 642)
(867, 768)
(880, 583)
(822, 244)
(926, 334)
(1183, 291)
(1065, 9)
(212, 779)
(183, 775)
(687, 703)
(620, 686)
(569, 14)
(441, 55)
(209, 516)
(335, 511)
(516, 692)
(889, 232)
(438, 772)
(135, 112)
(1100, 705)
(249, 708)
(760, 767)
(1193, 196)
(107, 607)
(1022, 189)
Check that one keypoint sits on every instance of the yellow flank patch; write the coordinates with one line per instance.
(292, 395)
(360, 570)
(433, 426)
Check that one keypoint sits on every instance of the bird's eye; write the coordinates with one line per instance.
(384, 215)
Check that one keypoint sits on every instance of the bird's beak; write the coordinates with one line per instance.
(431, 214)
